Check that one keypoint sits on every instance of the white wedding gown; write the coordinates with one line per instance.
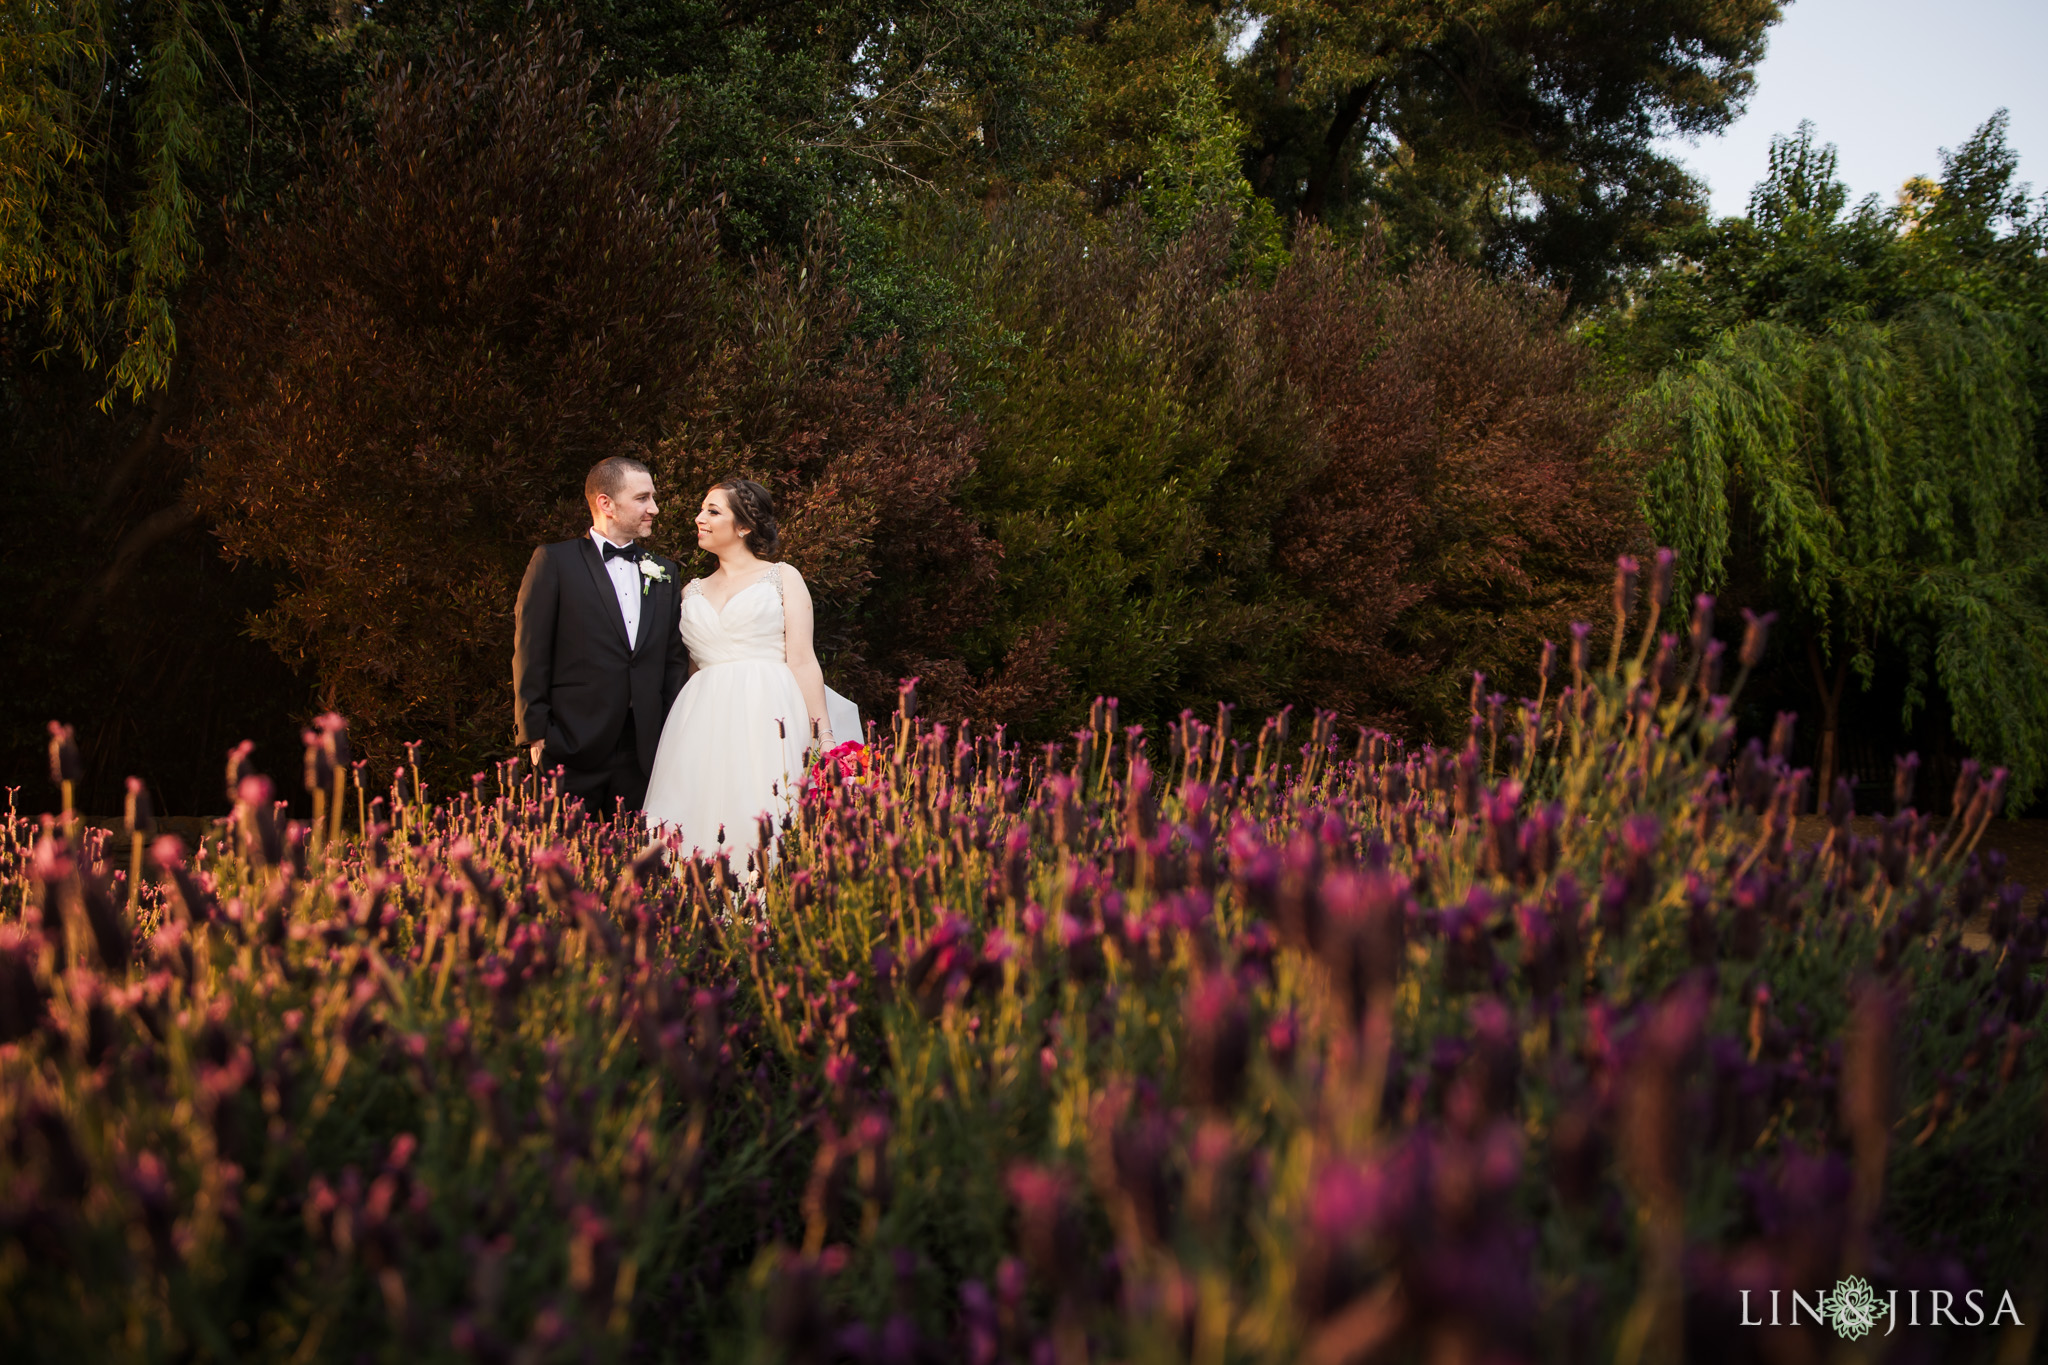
(733, 745)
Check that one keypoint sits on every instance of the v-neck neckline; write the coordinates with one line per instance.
(719, 611)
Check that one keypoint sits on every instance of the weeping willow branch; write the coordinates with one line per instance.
(1883, 477)
(102, 273)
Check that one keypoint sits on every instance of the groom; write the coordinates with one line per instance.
(598, 652)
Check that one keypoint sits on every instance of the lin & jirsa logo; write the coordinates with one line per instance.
(1854, 1309)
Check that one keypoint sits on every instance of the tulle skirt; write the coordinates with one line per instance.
(731, 750)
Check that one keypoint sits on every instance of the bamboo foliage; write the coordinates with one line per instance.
(1882, 476)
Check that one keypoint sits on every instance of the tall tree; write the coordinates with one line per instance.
(1851, 399)
(1520, 135)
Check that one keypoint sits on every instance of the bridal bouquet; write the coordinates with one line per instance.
(844, 764)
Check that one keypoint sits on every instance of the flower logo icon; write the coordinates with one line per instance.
(1853, 1308)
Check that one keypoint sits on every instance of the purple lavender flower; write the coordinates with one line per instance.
(1218, 1042)
(1662, 568)
(1625, 570)
(1756, 631)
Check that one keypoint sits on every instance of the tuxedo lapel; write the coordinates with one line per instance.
(652, 602)
(602, 580)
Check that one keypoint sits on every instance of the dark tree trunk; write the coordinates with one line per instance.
(1830, 691)
(1330, 157)
(1283, 86)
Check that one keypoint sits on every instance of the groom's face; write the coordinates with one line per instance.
(632, 511)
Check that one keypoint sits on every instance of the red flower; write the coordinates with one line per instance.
(845, 764)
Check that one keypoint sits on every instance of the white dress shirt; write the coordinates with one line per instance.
(626, 579)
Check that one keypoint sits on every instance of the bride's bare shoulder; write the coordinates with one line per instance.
(792, 582)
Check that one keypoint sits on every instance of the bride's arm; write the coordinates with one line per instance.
(798, 653)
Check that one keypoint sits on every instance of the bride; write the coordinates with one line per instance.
(733, 745)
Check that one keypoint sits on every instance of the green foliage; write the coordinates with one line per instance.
(39, 140)
(1991, 654)
(1516, 135)
(103, 286)
(1180, 489)
(1194, 169)
(1850, 401)
(1805, 257)
(1137, 456)
(1857, 451)
(128, 125)
(1883, 475)
(128, 119)
(163, 241)
(1141, 455)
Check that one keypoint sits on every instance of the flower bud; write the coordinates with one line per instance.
(1661, 571)
(239, 768)
(1756, 631)
(1968, 778)
(319, 767)
(1905, 772)
(334, 739)
(64, 763)
(1364, 919)
(256, 820)
(1710, 666)
(111, 934)
(139, 816)
(22, 996)
(1702, 623)
(1048, 1228)
(1625, 570)
(1781, 735)
(1219, 1042)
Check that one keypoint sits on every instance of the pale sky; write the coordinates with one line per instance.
(1889, 82)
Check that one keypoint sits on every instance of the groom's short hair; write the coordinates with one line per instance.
(608, 476)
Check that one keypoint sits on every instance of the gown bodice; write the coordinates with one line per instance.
(748, 630)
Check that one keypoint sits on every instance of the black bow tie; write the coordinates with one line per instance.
(612, 552)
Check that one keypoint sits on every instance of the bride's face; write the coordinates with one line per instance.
(716, 530)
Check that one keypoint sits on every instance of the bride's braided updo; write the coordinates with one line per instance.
(753, 511)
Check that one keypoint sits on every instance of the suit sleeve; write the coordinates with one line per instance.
(676, 670)
(533, 646)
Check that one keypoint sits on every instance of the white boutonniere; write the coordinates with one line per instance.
(652, 572)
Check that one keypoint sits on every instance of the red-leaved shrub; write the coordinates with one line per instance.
(405, 372)
(866, 482)
(1463, 504)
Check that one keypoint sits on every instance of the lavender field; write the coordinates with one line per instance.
(1230, 1044)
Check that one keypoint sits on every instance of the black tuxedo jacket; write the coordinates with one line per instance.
(573, 674)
